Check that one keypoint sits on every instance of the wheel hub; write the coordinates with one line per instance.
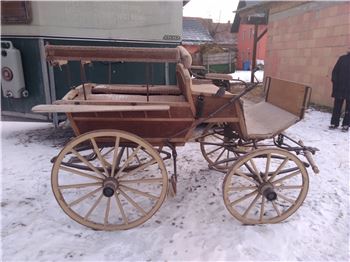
(110, 185)
(268, 192)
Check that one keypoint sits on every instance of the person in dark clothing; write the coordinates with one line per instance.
(341, 92)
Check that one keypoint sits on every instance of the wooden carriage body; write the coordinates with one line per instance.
(157, 113)
(121, 130)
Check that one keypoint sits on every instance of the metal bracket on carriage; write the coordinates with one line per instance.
(172, 186)
(307, 153)
(301, 148)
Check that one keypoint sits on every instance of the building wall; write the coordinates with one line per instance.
(127, 20)
(304, 43)
(132, 24)
(245, 41)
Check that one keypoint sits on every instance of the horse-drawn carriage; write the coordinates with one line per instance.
(112, 175)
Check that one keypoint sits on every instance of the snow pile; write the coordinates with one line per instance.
(194, 225)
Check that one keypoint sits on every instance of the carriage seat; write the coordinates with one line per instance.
(285, 104)
(265, 120)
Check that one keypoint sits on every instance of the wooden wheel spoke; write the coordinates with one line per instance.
(80, 185)
(262, 208)
(268, 160)
(108, 207)
(79, 173)
(138, 192)
(256, 170)
(276, 208)
(246, 177)
(82, 159)
(286, 177)
(214, 135)
(227, 157)
(251, 205)
(121, 209)
(132, 202)
(241, 188)
(115, 156)
(285, 198)
(99, 156)
(212, 143)
(216, 160)
(279, 169)
(138, 159)
(142, 180)
(216, 149)
(93, 207)
(128, 160)
(289, 187)
(142, 167)
(77, 201)
(106, 153)
(243, 198)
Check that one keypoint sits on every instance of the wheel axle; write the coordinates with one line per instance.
(110, 185)
(268, 192)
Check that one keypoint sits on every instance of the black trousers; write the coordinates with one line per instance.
(338, 104)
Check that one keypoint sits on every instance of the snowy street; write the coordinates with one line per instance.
(194, 225)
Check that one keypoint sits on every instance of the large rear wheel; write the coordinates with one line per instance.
(109, 180)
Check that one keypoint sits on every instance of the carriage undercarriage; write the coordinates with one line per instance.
(110, 178)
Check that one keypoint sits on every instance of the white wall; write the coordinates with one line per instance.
(106, 20)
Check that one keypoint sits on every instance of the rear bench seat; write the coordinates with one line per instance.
(284, 105)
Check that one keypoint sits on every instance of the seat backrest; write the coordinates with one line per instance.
(184, 82)
(185, 57)
(290, 96)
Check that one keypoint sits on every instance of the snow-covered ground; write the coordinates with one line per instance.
(194, 225)
(245, 75)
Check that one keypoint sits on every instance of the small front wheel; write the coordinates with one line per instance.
(265, 186)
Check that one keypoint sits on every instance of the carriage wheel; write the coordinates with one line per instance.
(120, 188)
(265, 186)
(218, 149)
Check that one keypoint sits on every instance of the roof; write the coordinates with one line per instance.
(222, 34)
(244, 5)
(194, 31)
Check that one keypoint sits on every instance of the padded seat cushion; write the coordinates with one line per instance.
(264, 120)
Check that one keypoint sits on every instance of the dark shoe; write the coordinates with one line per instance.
(333, 127)
(345, 128)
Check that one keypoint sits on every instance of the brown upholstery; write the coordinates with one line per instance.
(184, 83)
(185, 57)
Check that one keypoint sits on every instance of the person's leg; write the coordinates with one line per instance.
(346, 120)
(338, 102)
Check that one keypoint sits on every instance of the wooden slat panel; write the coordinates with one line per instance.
(287, 95)
(151, 128)
(134, 98)
(207, 90)
(107, 53)
(96, 108)
(136, 89)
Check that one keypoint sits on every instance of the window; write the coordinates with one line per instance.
(13, 12)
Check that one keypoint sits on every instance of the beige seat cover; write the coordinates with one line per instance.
(265, 120)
